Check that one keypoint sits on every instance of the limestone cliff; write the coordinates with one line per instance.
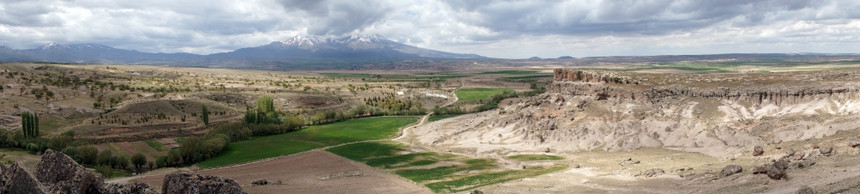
(713, 114)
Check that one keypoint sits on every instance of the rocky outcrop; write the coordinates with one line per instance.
(16, 179)
(61, 174)
(718, 115)
(591, 76)
(184, 182)
(57, 173)
(130, 188)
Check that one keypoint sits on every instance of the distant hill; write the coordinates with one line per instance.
(304, 51)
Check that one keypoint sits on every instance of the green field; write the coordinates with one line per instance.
(308, 138)
(439, 117)
(154, 145)
(479, 93)
(451, 177)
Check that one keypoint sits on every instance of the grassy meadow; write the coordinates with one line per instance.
(311, 137)
(466, 94)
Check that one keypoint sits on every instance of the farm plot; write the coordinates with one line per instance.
(439, 172)
(308, 138)
(466, 94)
(308, 172)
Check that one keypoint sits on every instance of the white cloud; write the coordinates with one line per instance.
(509, 29)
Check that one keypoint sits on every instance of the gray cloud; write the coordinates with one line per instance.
(337, 17)
(620, 17)
(506, 28)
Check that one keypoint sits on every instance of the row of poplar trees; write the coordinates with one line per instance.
(30, 124)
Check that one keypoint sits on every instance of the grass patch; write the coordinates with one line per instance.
(535, 157)
(471, 182)
(384, 154)
(461, 174)
(155, 145)
(308, 138)
(419, 175)
(439, 117)
(116, 151)
(479, 93)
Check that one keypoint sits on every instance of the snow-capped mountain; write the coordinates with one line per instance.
(349, 47)
(304, 48)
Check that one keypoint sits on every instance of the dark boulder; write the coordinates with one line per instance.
(775, 172)
(758, 151)
(730, 170)
(260, 182)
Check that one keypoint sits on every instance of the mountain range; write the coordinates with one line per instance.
(300, 50)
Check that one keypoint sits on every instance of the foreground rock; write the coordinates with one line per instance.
(57, 173)
(184, 182)
(61, 174)
(16, 179)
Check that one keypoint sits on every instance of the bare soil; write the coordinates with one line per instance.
(309, 172)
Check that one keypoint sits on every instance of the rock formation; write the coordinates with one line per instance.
(57, 173)
(714, 114)
(16, 179)
(61, 174)
(183, 182)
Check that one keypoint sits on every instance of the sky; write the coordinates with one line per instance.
(501, 29)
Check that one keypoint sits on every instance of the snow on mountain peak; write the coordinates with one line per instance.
(302, 41)
(50, 45)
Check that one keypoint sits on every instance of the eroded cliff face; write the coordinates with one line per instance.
(716, 117)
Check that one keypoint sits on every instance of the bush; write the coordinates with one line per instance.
(106, 171)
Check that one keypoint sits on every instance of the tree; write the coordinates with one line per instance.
(138, 160)
(205, 115)
(30, 124)
(25, 123)
(122, 162)
(88, 154)
(105, 157)
(35, 125)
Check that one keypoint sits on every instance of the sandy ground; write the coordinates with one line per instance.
(305, 172)
(834, 174)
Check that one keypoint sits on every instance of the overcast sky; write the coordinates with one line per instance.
(504, 29)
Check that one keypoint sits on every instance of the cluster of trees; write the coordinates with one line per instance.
(30, 124)
(389, 105)
(105, 161)
(264, 113)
